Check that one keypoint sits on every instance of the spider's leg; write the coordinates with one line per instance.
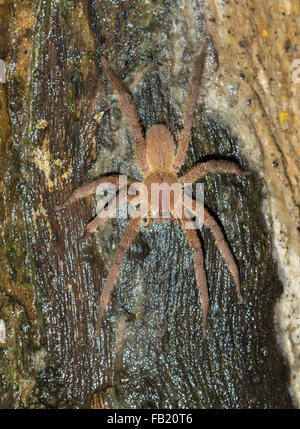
(195, 244)
(105, 214)
(224, 249)
(91, 227)
(212, 166)
(88, 188)
(221, 243)
(132, 118)
(125, 243)
(192, 96)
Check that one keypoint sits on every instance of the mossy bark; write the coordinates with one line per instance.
(60, 125)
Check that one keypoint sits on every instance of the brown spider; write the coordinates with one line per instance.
(156, 159)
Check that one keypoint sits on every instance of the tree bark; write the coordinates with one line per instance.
(60, 126)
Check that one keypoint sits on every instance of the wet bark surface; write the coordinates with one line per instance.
(65, 127)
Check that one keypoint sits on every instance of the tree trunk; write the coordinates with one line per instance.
(61, 125)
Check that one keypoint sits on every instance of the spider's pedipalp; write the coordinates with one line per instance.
(195, 244)
(132, 118)
(113, 275)
(221, 243)
(192, 96)
(91, 227)
(212, 166)
(101, 217)
(106, 213)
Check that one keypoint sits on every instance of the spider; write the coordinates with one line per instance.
(159, 163)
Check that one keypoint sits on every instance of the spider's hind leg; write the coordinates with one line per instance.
(191, 102)
(195, 244)
(131, 115)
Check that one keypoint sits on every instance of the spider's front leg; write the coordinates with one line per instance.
(113, 275)
(212, 166)
(221, 243)
(195, 244)
(225, 251)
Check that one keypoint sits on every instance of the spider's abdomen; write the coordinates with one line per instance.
(159, 148)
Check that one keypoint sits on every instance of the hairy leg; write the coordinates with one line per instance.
(212, 166)
(224, 249)
(195, 244)
(132, 118)
(192, 96)
(113, 275)
(88, 189)
(105, 214)
(221, 243)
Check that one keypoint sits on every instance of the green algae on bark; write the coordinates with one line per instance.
(21, 354)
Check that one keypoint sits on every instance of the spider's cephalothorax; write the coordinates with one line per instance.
(156, 158)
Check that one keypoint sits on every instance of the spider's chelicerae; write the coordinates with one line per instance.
(156, 158)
